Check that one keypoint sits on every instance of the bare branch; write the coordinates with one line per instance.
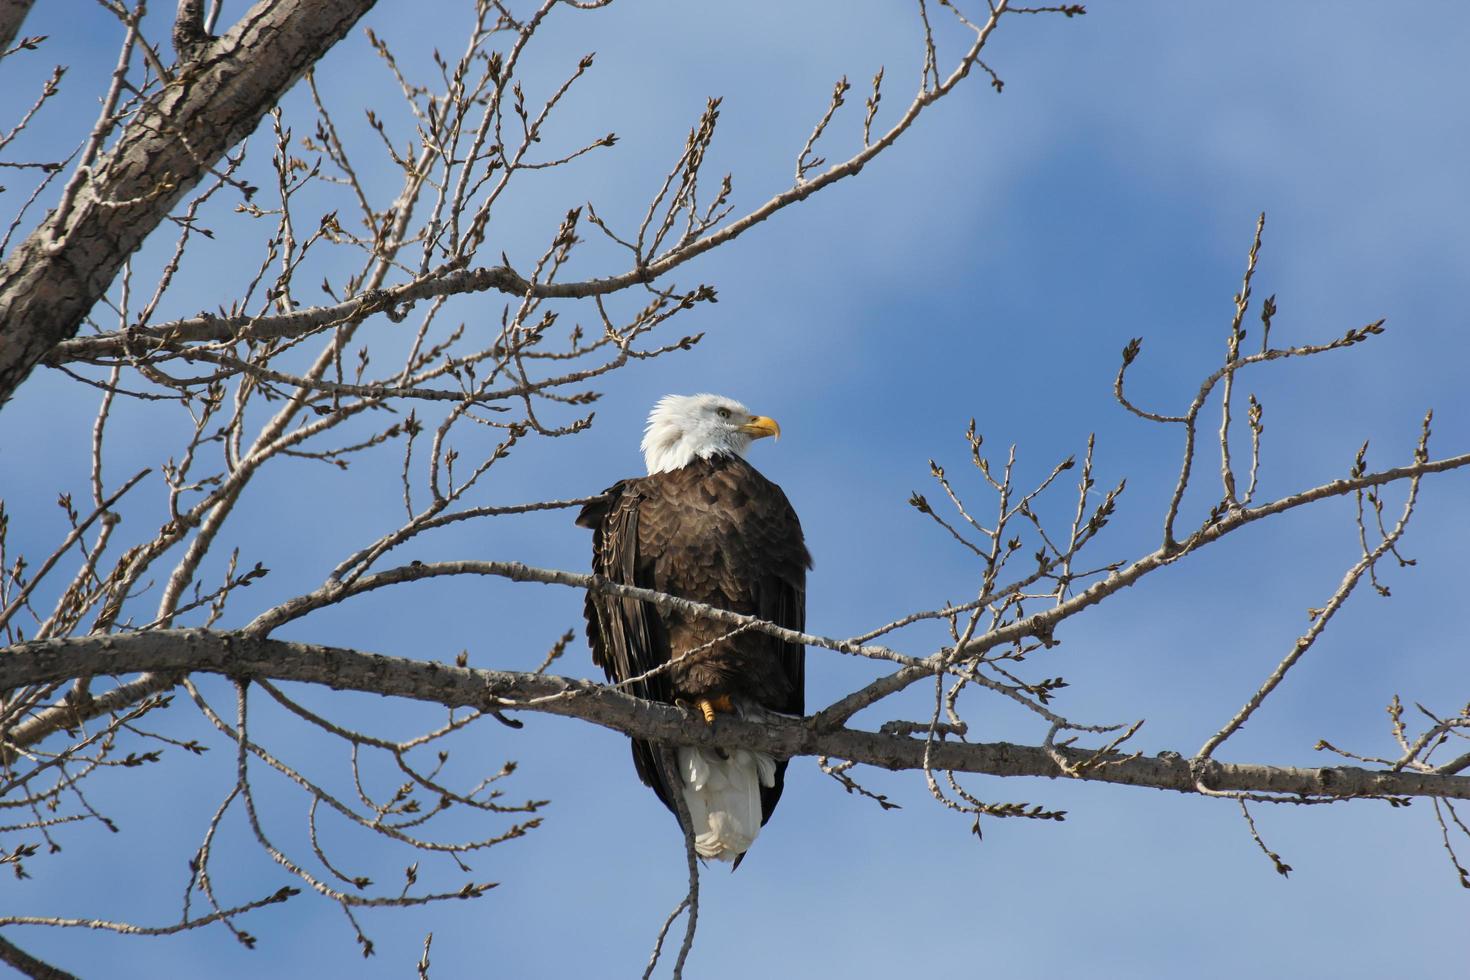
(1324, 615)
(174, 652)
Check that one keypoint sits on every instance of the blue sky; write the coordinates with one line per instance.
(992, 265)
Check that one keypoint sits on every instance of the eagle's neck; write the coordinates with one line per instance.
(669, 449)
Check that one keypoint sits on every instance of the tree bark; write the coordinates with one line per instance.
(58, 273)
(25, 962)
(177, 652)
(12, 15)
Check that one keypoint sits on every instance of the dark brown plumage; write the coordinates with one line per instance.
(715, 531)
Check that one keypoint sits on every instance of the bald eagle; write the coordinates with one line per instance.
(704, 525)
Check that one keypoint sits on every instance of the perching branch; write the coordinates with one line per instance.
(178, 652)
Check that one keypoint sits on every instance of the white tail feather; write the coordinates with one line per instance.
(723, 793)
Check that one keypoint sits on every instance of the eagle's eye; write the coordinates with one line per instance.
(723, 413)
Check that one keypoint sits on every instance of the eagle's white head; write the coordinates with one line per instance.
(682, 428)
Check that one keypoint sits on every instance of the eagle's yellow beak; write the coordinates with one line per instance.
(761, 426)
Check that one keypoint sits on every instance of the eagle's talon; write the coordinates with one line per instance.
(709, 706)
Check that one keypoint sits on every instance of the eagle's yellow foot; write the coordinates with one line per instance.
(708, 707)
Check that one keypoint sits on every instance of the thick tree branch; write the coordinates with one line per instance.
(24, 962)
(176, 652)
(53, 279)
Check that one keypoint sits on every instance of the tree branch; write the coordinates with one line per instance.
(10, 953)
(175, 652)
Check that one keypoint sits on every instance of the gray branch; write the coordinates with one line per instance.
(179, 652)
